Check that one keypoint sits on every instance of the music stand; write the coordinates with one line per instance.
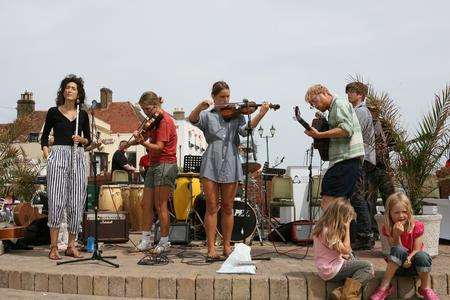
(192, 163)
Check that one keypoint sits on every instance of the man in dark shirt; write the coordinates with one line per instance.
(120, 161)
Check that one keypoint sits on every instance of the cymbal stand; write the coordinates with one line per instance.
(249, 136)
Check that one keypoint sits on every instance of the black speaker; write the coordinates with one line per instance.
(179, 233)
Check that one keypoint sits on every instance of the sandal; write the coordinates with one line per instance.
(73, 252)
(212, 258)
(226, 253)
(52, 255)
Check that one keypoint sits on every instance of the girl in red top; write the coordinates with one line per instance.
(161, 175)
(407, 256)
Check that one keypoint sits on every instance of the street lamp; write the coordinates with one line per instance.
(261, 135)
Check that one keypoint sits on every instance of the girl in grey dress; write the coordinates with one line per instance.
(221, 167)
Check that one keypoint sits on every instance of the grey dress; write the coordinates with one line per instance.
(221, 162)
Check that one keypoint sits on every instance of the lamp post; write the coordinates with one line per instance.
(261, 135)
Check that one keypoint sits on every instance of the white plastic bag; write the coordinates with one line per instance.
(239, 261)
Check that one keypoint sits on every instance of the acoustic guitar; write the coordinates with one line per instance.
(321, 124)
(13, 232)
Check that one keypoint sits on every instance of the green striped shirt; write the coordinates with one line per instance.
(342, 115)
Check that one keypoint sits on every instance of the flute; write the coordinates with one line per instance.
(75, 144)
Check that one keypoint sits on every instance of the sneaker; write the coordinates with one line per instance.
(144, 245)
(381, 294)
(428, 294)
(161, 247)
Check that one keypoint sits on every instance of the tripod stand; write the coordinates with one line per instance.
(96, 255)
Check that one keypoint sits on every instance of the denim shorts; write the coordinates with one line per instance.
(163, 174)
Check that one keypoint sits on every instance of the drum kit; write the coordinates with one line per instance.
(187, 204)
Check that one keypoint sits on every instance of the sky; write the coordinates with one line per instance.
(266, 50)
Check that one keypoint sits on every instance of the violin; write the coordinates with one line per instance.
(229, 111)
(147, 125)
(151, 123)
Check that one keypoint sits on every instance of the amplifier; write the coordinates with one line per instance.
(179, 233)
(301, 231)
(112, 227)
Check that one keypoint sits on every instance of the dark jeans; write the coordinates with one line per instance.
(378, 179)
(361, 228)
(420, 262)
(340, 179)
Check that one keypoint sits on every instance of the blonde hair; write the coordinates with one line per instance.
(150, 98)
(332, 223)
(393, 200)
(314, 91)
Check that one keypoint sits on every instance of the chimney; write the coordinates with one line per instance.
(25, 105)
(178, 114)
(105, 97)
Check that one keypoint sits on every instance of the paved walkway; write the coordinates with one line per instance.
(290, 272)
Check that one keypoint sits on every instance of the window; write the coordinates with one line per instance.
(131, 156)
(102, 163)
(33, 137)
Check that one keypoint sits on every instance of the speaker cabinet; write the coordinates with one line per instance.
(179, 233)
(112, 226)
(301, 231)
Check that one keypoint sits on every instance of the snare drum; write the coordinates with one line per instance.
(244, 221)
(187, 189)
(110, 198)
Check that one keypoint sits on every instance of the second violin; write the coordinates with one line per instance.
(229, 111)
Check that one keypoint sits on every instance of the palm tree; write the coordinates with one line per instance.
(17, 173)
(414, 157)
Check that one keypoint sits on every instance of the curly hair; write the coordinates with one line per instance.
(60, 100)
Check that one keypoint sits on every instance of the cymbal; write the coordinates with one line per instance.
(252, 167)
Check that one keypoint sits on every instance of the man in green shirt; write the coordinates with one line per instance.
(346, 149)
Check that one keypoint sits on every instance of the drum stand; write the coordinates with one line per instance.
(96, 255)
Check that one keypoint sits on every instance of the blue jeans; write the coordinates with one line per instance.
(420, 262)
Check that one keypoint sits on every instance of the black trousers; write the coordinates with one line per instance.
(361, 228)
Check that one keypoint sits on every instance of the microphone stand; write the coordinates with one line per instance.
(310, 182)
(97, 254)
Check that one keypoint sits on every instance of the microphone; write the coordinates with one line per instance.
(94, 104)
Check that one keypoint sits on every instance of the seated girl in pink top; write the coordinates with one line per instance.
(406, 256)
(333, 254)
